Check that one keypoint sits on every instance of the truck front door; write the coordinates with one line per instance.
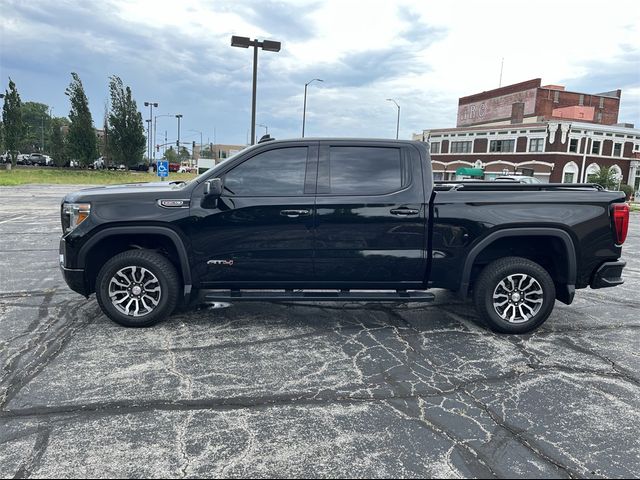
(260, 231)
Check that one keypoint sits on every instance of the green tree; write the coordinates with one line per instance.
(59, 148)
(606, 177)
(183, 154)
(35, 117)
(171, 155)
(82, 136)
(127, 141)
(12, 120)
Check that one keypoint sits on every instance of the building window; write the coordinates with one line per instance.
(601, 102)
(617, 149)
(581, 100)
(573, 145)
(460, 147)
(570, 173)
(435, 147)
(595, 147)
(599, 117)
(501, 145)
(536, 144)
(556, 96)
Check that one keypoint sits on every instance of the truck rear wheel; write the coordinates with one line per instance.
(514, 295)
(138, 288)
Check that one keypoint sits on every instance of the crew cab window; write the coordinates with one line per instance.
(366, 170)
(279, 172)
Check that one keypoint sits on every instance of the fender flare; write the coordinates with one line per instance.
(172, 235)
(571, 261)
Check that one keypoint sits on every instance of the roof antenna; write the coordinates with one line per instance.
(501, 67)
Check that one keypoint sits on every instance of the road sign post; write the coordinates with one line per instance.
(163, 169)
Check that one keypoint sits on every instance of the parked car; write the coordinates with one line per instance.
(99, 163)
(40, 160)
(518, 178)
(23, 159)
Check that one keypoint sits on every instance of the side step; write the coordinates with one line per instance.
(315, 296)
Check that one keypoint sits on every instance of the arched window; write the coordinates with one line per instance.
(617, 172)
(570, 173)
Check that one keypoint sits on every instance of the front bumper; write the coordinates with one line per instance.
(609, 274)
(74, 277)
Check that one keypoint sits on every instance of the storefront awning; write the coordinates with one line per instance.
(471, 172)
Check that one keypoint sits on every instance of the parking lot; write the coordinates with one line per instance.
(297, 390)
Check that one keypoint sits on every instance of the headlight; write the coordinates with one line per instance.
(73, 214)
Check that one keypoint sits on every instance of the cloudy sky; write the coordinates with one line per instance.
(424, 54)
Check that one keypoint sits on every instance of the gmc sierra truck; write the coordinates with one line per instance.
(340, 220)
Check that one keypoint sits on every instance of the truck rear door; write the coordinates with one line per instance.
(370, 216)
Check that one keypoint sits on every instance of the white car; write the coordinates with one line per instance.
(517, 178)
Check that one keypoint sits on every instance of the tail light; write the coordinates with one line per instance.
(620, 221)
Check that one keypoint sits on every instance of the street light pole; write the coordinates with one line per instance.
(268, 45)
(304, 108)
(398, 122)
(149, 139)
(266, 129)
(155, 132)
(178, 116)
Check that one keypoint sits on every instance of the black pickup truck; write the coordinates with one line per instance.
(340, 219)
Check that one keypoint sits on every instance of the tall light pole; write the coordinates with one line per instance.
(150, 151)
(155, 130)
(178, 116)
(398, 122)
(266, 129)
(304, 108)
(269, 46)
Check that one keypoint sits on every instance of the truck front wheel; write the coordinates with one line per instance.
(137, 288)
(514, 295)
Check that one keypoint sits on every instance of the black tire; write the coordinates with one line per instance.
(525, 308)
(131, 266)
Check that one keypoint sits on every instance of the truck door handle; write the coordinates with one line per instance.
(404, 212)
(294, 213)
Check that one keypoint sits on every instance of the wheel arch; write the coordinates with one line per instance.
(567, 266)
(134, 236)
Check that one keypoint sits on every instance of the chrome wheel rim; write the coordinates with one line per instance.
(517, 298)
(134, 291)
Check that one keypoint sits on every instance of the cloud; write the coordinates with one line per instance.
(424, 55)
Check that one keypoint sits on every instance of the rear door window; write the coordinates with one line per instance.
(366, 170)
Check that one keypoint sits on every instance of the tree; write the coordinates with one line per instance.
(171, 155)
(59, 148)
(12, 120)
(606, 177)
(35, 117)
(82, 136)
(127, 141)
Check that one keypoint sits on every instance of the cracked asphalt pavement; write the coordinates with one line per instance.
(306, 390)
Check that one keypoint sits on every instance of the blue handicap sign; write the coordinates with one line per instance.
(163, 168)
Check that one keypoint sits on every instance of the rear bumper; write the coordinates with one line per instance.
(609, 274)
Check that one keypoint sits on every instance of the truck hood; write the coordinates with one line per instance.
(128, 190)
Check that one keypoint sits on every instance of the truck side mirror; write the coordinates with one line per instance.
(213, 188)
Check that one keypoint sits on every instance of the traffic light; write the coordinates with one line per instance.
(157, 148)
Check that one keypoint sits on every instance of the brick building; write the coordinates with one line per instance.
(545, 131)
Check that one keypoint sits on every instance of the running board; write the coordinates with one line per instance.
(315, 296)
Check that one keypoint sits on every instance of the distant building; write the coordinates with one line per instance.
(220, 153)
(544, 131)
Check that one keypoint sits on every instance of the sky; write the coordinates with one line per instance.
(423, 54)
